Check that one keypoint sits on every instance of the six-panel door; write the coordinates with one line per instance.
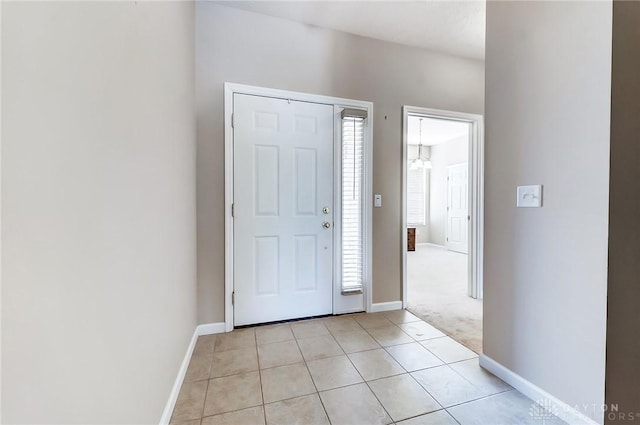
(283, 202)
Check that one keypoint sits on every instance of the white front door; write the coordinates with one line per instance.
(457, 212)
(283, 199)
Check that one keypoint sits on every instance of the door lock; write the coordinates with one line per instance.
(326, 224)
(326, 210)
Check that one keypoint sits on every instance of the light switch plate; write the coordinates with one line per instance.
(377, 201)
(529, 196)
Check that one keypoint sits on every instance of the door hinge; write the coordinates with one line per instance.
(233, 210)
(233, 298)
(233, 120)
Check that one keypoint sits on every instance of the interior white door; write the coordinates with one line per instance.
(283, 209)
(457, 236)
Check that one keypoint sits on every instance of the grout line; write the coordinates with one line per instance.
(370, 389)
(454, 418)
(424, 414)
(264, 411)
(204, 403)
(480, 398)
(304, 360)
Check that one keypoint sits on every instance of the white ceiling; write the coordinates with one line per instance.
(434, 131)
(447, 26)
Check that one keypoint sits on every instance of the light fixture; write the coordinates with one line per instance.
(420, 162)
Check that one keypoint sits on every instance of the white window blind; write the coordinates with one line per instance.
(352, 202)
(416, 196)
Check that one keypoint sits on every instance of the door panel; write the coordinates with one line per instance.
(457, 210)
(283, 178)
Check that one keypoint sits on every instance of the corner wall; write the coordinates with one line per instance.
(547, 122)
(98, 209)
(623, 325)
(247, 48)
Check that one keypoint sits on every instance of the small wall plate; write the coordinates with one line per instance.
(529, 196)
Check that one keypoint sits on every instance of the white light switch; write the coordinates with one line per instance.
(529, 196)
(377, 201)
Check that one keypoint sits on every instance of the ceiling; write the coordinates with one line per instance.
(434, 131)
(446, 26)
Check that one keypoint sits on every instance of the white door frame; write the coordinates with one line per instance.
(341, 304)
(476, 193)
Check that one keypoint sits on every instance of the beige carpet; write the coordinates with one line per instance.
(437, 293)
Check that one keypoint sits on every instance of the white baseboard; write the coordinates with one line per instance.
(561, 409)
(207, 329)
(173, 396)
(392, 305)
(211, 328)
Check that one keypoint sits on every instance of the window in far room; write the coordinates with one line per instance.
(416, 196)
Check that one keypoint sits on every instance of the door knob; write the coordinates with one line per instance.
(326, 224)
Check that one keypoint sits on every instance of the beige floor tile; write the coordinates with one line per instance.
(506, 408)
(414, 356)
(403, 397)
(193, 422)
(342, 324)
(199, 367)
(447, 386)
(309, 329)
(231, 362)
(471, 370)
(441, 417)
(354, 341)
(448, 350)
(389, 335)
(354, 405)
(319, 347)
(275, 333)
(205, 344)
(306, 410)
(284, 382)
(401, 316)
(278, 354)
(250, 416)
(420, 330)
(234, 392)
(243, 338)
(190, 402)
(333, 372)
(376, 320)
(375, 364)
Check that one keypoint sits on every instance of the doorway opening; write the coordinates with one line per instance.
(442, 221)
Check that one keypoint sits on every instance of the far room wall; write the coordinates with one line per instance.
(453, 152)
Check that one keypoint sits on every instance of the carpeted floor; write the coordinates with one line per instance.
(437, 293)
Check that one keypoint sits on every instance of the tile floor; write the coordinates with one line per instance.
(368, 369)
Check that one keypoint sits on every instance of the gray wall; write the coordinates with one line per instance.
(98, 209)
(547, 122)
(243, 47)
(452, 152)
(623, 325)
